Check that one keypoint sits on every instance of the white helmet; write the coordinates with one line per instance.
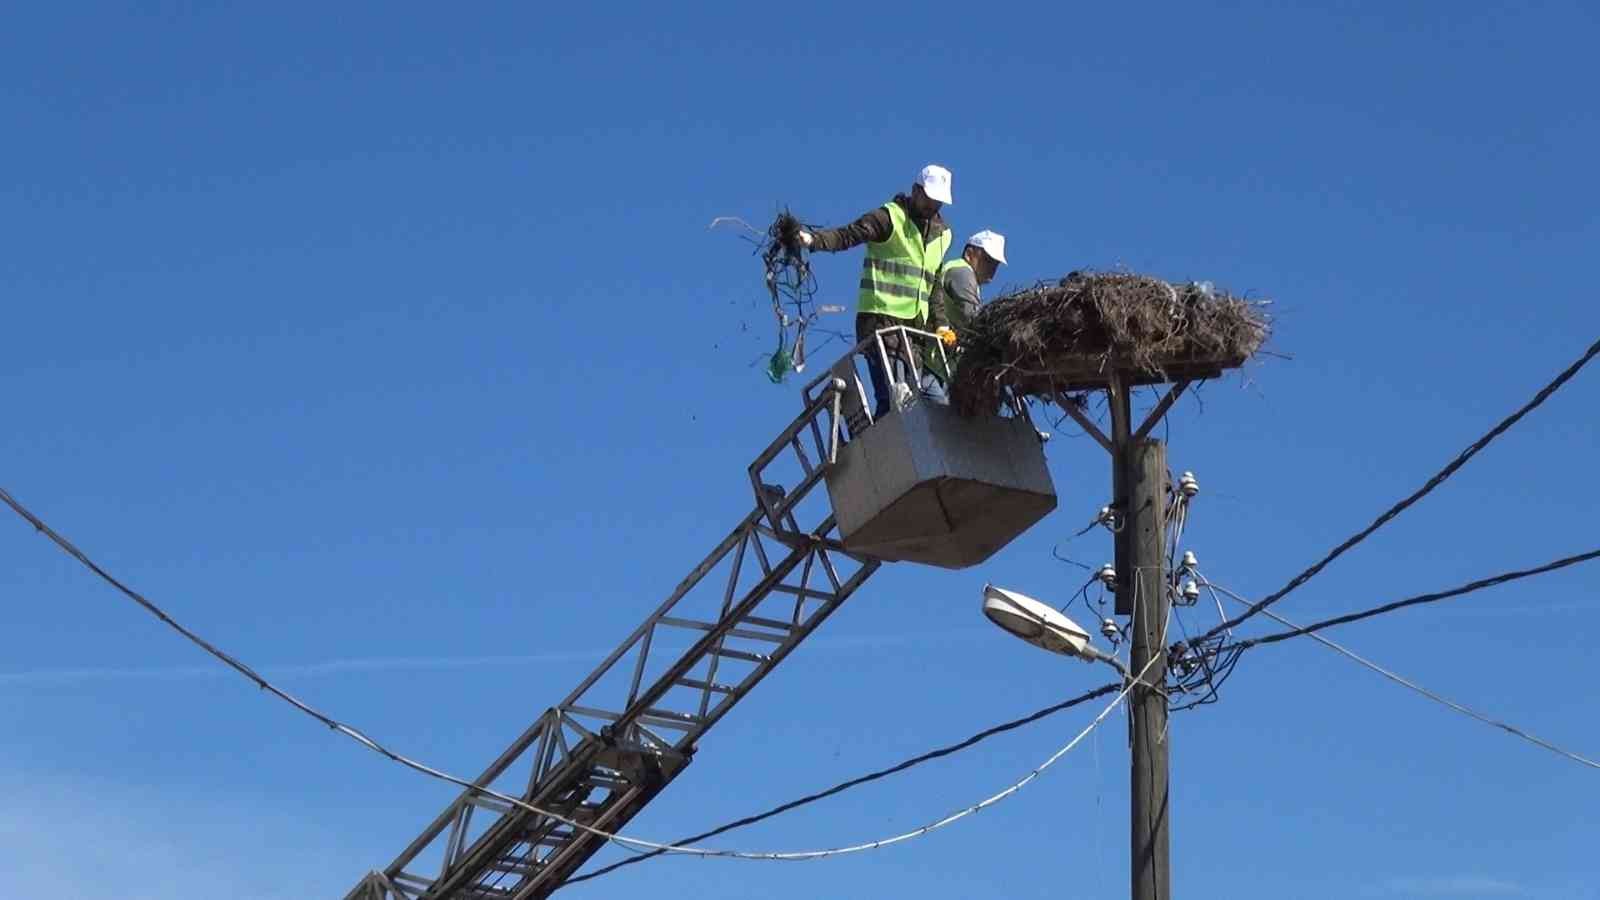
(935, 181)
(990, 242)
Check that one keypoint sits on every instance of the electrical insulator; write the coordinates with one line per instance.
(1191, 592)
(1108, 627)
(1107, 576)
(1105, 516)
(1188, 485)
(1189, 562)
(1182, 659)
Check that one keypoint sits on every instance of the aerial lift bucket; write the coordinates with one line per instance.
(925, 484)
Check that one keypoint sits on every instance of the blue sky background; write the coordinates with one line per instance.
(386, 345)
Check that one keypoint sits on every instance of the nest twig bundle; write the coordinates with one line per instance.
(1072, 334)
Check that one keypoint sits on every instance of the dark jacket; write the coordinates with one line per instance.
(874, 226)
(955, 299)
(871, 227)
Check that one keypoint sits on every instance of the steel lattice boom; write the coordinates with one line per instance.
(632, 725)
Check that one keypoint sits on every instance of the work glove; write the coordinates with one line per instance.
(948, 335)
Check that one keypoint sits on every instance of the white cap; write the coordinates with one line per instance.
(990, 242)
(935, 181)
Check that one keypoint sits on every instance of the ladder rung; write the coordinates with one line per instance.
(519, 866)
(774, 624)
(694, 624)
(418, 882)
(699, 685)
(802, 592)
(654, 712)
(674, 723)
(481, 892)
(745, 633)
(484, 801)
(740, 654)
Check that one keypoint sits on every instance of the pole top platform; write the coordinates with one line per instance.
(1089, 330)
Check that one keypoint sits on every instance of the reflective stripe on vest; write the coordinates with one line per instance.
(897, 276)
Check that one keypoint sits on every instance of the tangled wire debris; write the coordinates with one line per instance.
(793, 290)
(1069, 335)
(791, 287)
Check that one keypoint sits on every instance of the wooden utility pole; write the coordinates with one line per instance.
(1139, 498)
(1145, 468)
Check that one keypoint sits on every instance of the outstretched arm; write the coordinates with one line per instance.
(872, 227)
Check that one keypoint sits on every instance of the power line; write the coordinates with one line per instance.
(1395, 510)
(864, 779)
(358, 736)
(1405, 682)
(1435, 596)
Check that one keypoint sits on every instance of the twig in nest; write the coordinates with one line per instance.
(1054, 334)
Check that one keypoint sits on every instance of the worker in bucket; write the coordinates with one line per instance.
(955, 301)
(906, 242)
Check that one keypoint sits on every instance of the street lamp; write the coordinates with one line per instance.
(1042, 626)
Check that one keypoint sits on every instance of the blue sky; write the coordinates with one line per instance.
(386, 345)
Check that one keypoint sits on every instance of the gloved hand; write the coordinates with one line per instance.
(948, 335)
(806, 238)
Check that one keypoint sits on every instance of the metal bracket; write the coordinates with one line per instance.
(1142, 432)
(1161, 409)
(1084, 422)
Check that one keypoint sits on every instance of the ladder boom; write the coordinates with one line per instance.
(633, 724)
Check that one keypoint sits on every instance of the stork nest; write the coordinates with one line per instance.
(1071, 335)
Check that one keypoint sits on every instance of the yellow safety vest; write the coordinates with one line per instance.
(898, 274)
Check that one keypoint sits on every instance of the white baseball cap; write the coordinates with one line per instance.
(935, 181)
(990, 242)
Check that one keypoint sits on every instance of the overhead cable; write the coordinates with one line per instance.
(1433, 597)
(1395, 510)
(1407, 683)
(631, 842)
(864, 779)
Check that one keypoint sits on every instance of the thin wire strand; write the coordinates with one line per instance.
(623, 840)
(1407, 683)
(1222, 614)
(1433, 597)
(1058, 556)
(864, 779)
(1395, 510)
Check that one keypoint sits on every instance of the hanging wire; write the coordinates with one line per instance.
(1177, 521)
(625, 841)
(1055, 552)
(1438, 478)
(1083, 592)
(792, 287)
(1407, 683)
(864, 779)
(1432, 597)
(1227, 652)
(1197, 666)
(1107, 517)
